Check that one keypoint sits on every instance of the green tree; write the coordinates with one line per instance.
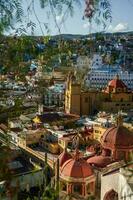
(10, 11)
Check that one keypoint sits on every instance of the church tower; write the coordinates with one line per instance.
(73, 95)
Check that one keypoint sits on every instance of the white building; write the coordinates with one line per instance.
(83, 62)
(55, 95)
(117, 184)
(126, 183)
(101, 74)
(96, 62)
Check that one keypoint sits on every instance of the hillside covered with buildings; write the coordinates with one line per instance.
(66, 117)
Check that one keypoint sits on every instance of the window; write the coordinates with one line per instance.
(77, 188)
(119, 89)
(86, 99)
(64, 187)
(111, 195)
(88, 188)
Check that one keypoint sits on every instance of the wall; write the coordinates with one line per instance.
(98, 132)
(62, 143)
(116, 106)
(74, 99)
(122, 97)
(125, 185)
(109, 182)
(90, 102)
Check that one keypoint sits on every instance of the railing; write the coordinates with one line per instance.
(38, 155)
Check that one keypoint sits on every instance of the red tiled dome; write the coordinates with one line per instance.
(100, 161)
(76, 169)
(117, 138)
(64, 156)
(116, 83)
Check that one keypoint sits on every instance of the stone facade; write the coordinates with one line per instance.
(113, 99)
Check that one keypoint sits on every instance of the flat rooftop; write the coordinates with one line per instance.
(14, 161)
(20, 165)
(55, 117)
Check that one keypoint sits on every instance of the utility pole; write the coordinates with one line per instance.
(44, 174)
(57, 178)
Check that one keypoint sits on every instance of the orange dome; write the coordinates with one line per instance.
(117, 138)
(100, 161)
(76, 169)
(116, 83)
(64, 156)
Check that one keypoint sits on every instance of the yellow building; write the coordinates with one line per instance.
(63, 142)
(98, 131)
(114, 98)
(72, 96)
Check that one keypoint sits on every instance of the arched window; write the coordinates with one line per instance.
(64, 186)
(121, 99)
(77, 188)
(111, 195)
(88, 189)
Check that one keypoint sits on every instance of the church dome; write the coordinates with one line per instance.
(100, 161)
(117, 83)
(118, 137)
(64, 156)
(76, 168)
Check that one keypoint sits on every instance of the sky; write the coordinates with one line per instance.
(122, 13)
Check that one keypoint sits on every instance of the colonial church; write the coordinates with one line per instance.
(113, 98)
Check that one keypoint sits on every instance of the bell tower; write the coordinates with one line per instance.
(72, 95)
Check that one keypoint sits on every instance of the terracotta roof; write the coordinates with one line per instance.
(116, 83)
(64, 156)
(100, 161)
(76, 169)
(117, 138)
